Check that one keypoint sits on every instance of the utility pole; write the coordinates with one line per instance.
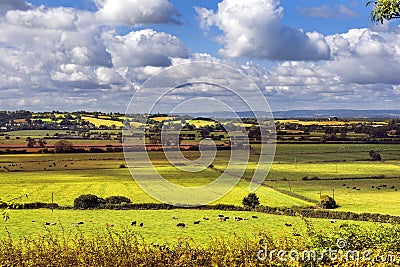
(336, 159)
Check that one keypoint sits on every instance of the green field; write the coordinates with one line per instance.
(34, 133)
(159, 225)
(67, 176)
(69, 184)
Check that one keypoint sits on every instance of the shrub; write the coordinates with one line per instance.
(375, 155)
(251, 201)
(328, 202)
(88, 202)
(95, 150)
(63, 146)
(117, 200)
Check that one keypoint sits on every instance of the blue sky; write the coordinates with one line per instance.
(95, 54)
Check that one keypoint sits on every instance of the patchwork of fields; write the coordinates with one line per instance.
(303, 170)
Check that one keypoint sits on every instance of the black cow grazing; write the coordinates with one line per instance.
(237, 219)
(226, 218)
(296, 234)
(358, 189)
(373, 186)
(141, 224)
(50, 223)
(196, 222)
(206, 218)
(133, 223)
(343, 184)
(221, 216)
(80, 222)
(254, 217)
(288, 224)
(392, 187)
(181, 225)
(354, 187)
(332, 221)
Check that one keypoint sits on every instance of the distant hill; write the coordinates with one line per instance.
(320, 113)
(340, 113)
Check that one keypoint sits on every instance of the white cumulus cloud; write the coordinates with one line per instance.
(52, 57)
(144, 48)
(364, 56)
(254, 29)
(133, 12)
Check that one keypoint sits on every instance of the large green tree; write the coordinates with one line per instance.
(384, 10)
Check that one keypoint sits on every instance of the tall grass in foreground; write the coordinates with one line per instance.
(126, 248)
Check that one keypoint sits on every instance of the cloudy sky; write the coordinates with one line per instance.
(94, 54)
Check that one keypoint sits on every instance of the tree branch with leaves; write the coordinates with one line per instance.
(9, 203)
(384, 10)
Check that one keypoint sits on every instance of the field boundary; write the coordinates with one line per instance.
(294, 195)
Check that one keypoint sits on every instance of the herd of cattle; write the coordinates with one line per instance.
(220, 218)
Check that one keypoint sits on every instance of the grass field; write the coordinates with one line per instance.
(200, 123)
(34, 133)
(340, 167)
(353, 195)
(69, 184)
(98, 121)
(160, 119)
(159, 225)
